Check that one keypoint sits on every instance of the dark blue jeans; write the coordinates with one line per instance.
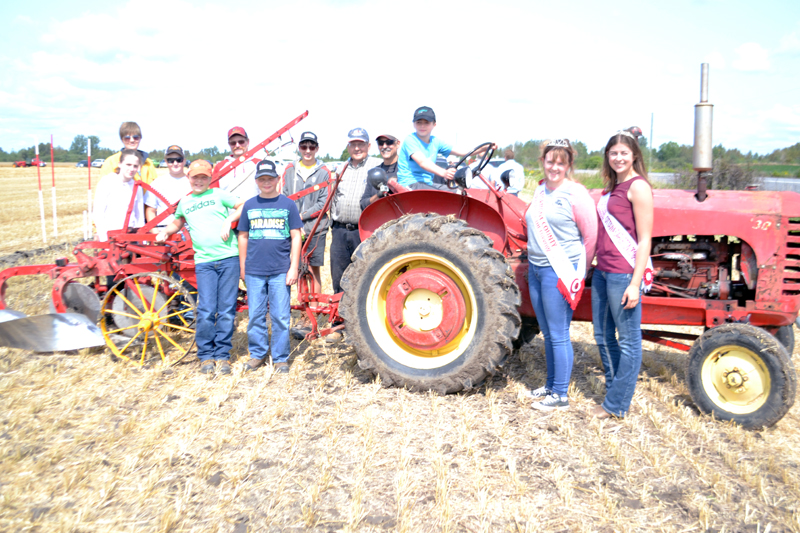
(554, 316)
(618, 334)
(217, 288)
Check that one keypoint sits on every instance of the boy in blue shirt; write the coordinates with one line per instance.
(269, 255)
(417, 159)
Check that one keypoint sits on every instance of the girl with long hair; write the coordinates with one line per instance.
(623, 270)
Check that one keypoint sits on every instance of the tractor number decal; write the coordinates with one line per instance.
(762, 224)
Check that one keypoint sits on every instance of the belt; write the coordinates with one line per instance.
(349, 227)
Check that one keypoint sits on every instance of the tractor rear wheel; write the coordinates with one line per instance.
(429, 304)
(742, 373)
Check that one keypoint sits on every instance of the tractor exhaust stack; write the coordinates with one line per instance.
(702, 155)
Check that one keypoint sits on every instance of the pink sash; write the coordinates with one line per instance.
(570, 279)
(623, 241)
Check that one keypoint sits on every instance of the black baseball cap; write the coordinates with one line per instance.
(266, 168)
(174, 149)
(424, 113)
(308, 136)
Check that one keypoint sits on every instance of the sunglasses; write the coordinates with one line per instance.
(172, 160)
(308, 146)
(386, 142)
(132, 138)
(239, 142)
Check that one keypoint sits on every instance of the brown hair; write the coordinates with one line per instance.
(509, 153)
(560, 152)
(610, 175)
(130, 151)
(129, 128)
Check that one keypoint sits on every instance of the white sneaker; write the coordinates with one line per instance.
(552, 402)
(539, 393)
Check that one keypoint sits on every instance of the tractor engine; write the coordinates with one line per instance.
(700, 267)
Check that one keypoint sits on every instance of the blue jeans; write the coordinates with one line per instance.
(618, 334)
(217, 288)
(554, 316)
(272, 289)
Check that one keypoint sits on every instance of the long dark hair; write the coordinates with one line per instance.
(610, 175)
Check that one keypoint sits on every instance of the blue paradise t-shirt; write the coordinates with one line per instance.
(408, 171)
(267, 222)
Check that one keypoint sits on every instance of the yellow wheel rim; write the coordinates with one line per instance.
(736, 379)
(426, 312)
(155, 327)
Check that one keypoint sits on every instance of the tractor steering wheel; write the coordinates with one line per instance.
(487, 155)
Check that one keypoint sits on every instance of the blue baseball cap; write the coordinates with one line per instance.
(358, 134)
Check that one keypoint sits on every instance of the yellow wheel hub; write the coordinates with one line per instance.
(423, 311)
(736, 379)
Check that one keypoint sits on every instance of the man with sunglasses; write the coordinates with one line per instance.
(387, 146)
(173, 187)
(240, 181)
(131, 135)
(306, 173)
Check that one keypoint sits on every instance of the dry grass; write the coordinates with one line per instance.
(91, 445)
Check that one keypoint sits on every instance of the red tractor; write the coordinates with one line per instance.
(437, 295)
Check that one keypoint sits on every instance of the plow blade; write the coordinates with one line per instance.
(55, 332)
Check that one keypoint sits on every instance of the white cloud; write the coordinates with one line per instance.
(751, 57)
(789, 44)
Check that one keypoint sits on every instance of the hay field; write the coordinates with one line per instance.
(91, 445)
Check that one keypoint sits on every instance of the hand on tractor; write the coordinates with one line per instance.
(631, 296)
(162, 236)
(450, 173)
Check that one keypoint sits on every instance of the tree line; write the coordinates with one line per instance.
(669, 157)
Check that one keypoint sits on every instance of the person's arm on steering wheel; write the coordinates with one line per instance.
(429, 166)
(462, 153)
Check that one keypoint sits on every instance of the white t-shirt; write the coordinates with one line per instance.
(173, 189)
(112, 197)
(516, 179)
(241, 181)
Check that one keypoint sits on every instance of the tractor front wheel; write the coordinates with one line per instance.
(430, 305)
(742, 373)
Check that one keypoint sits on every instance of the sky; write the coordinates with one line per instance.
(504, 71)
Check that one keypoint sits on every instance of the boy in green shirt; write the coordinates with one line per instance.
(210, 213)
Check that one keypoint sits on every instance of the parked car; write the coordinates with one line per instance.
(22, 164)
(162, 164)
(97, 163)
(37, 162)
(83, 163)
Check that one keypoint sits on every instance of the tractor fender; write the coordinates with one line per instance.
(475, 213)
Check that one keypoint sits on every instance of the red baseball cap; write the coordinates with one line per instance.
(237, 130)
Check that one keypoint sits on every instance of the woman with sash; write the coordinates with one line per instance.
(562, 231)
(623, 270)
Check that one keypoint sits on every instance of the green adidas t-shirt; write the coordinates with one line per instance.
(206, 213)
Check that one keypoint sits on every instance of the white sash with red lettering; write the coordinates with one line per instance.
(623, 241)
(570, 279)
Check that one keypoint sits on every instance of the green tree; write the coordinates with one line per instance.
(79, 144)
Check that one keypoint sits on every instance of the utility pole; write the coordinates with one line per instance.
(652, 147)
